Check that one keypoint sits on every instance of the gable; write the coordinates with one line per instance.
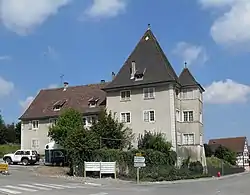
(150, 63)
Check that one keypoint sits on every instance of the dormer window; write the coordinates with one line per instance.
(139, 76)
(58, 105)
(93, 102)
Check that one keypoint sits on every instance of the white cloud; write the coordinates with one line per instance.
(6, 87)
(26, 103)
(3, 58)
(191, 53)
(106, 8)
(52, 86)
(226, 92)
(22, 16)
(50, 52)
(233, 25)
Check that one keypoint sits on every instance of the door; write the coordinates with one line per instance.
(18, 156)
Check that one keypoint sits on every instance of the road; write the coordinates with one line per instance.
(23, 182)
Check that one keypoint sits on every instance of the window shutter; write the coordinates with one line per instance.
(179, 138)
(146, 116)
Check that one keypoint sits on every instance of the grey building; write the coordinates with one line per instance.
(147, 95)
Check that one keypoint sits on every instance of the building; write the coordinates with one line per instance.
(49, 104)
(147, 95)
(239, 145)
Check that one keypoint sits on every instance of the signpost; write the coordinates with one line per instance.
(139, 162)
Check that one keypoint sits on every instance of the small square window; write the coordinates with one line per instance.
(125, 117)
(35, 124)
(125, 95)
(149, 93)
(188, 139)
(188, 116)
(149, 116)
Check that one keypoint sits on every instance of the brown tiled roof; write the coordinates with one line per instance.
(186, 79)
(76, 97)
(149, 58)
(235, 144)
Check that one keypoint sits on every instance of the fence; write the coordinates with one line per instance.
(225, 170)
(101, 167)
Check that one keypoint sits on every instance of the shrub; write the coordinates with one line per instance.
(4, 149)
(196, 167)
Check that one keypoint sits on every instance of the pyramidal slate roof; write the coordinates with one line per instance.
(150, 60)
(186, 79)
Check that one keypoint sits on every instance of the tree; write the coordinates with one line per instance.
(111, 133)
(225, 154)
(10, 133)
(18, 132)
(208, 150)
(69, 121)
(155, 141)
(2, 131)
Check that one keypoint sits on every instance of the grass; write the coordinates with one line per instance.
(4, 149)
(216, 162)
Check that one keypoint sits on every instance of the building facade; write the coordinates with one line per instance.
(147, 95)
(50, 103)
(239, 145)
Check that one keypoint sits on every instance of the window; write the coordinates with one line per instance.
(125, 117)
(178, 116)
(200, 117)
(184, 94)
(188, 139)
(125, 95)
(149, 116)
(26, 152)
(201, 140)
(19, 152)
(188, 116)
(89, 120)
(149, 93)
(52, 121)
(35, 124)
(34, 143)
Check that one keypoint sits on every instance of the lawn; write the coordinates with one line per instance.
(4, 149)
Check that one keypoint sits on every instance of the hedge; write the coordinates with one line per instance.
(159, 166)
(4, 149)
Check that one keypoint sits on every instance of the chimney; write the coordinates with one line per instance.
(113, 75)
(133, 69)
(65, 84)
(102, 81)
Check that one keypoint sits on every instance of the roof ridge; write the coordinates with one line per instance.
(87, 85)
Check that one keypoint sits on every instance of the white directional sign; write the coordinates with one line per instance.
(139, 161)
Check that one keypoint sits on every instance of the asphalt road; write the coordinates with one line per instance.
(22, 181)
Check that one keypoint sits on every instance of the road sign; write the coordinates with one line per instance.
(138, 154)
(4, 167)
(139, 164)
(139, 159)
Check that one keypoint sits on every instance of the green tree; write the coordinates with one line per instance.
(154, 141)
(69, 121)
(18, 132)
(225, 154)
(208, 150)
(111, 133)
(2, 131)
(10, 133)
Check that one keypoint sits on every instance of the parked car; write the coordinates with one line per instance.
(22, 156)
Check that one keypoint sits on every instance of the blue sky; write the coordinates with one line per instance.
(87, 40)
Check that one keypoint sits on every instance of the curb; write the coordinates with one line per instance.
(193, 180)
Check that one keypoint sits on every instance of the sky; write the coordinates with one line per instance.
(86, 40)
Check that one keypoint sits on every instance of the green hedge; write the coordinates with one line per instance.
(4, 149)
(159, 166)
